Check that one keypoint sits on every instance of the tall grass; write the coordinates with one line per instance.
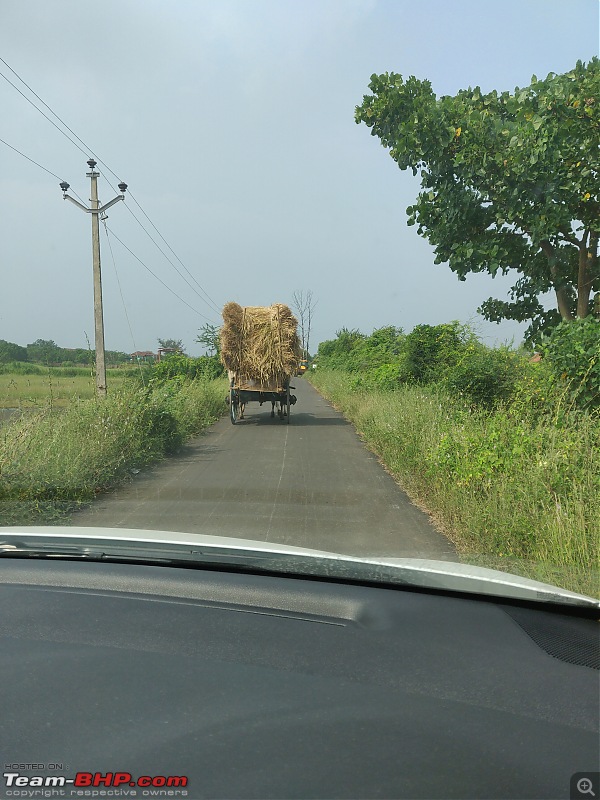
(51, 463)
(515, 493)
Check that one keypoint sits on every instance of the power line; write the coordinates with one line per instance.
(112, 255)
(207, 299)
(42, 113)
(54, 175)
(54, 114)
(176, 256)
(209, 302)
(153, 240)
(166, 285)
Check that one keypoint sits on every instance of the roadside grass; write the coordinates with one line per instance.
(53, 386)
(52, 463)
(514, 494)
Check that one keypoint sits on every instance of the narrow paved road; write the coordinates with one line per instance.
(311, 483)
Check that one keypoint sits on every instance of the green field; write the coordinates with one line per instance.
(51, 387)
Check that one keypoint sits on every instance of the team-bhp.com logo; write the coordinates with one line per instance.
(94, 784)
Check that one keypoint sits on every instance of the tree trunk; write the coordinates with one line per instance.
(562, 297)
(585, 273)
(584, 283)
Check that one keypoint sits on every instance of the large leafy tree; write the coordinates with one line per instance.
(510, 182)
(45, 351)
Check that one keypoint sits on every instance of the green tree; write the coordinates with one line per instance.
(83, 356)
(9, 351)
(510, 182)
(45, 351)
(209, 336)
(117, 357)
(171, 344)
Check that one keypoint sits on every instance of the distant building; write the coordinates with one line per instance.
(144, 355)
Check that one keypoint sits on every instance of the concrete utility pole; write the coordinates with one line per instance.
(95, 211)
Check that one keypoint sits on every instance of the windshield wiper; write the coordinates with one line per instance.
(201, 551)
(123, 552)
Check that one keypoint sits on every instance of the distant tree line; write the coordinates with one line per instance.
(46, 351)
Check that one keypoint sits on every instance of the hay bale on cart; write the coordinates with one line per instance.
(260, 349)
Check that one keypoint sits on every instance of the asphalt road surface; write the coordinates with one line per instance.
(311, 483)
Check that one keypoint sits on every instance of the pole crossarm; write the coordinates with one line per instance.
(93, 210)
(76, 203)
(109, 204)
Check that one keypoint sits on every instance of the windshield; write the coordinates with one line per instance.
(320, 275)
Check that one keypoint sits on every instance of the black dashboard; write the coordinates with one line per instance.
(262, 686)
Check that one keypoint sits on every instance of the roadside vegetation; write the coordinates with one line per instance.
(54, 461)
(503, 452)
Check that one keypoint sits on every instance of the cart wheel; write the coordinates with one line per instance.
(233, 406)
(289, 405)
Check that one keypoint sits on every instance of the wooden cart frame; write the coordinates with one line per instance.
(242, 392)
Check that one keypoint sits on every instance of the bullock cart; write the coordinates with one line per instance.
(261, 351)
(246, 390)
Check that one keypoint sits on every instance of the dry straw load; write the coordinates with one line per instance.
(260, 343)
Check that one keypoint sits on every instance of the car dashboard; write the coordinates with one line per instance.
(269, 686)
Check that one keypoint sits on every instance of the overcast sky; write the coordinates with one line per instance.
(232, 123)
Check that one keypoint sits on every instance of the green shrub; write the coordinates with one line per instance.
(451, 356)
(537, 394)
(180, 366)
(339, 353)
(22, 368)
(485, 376)
(382, 348)
(573, 352)
(385, 377)
(429, 350)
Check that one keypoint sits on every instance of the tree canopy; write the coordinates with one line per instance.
(210, 337)
(171, 344)
(9, 351)
(46, 351)
(510, 182)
